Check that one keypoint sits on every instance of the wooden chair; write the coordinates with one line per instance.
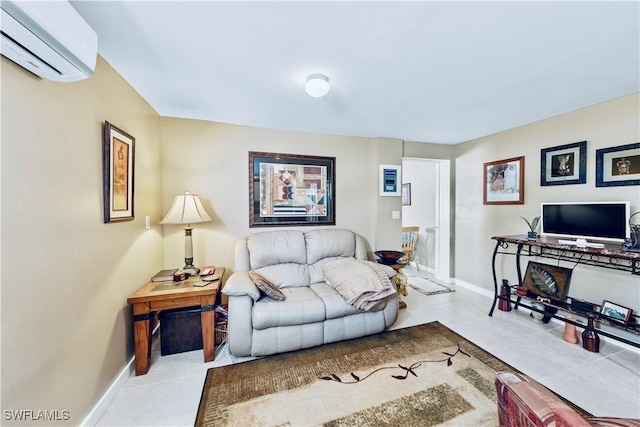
(409, 243)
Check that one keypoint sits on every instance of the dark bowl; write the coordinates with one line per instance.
(389, 257)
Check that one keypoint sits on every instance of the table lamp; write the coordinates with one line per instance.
(187, 209)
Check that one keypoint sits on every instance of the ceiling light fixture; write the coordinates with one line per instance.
(317, 85)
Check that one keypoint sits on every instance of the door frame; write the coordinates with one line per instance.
(444, 222)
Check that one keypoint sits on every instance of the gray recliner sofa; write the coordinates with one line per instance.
(313, 313)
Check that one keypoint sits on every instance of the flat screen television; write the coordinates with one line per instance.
(607, 221)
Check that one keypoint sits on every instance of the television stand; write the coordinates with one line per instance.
(581, 242)
(609, 256)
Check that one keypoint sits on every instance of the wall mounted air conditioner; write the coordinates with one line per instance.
(48, 38)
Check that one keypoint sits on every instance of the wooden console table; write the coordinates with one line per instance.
(611, 256)
(156, 296)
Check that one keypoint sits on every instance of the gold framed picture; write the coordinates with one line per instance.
(118, 158)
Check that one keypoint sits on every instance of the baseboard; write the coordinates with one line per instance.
(474, 288)
(423, 267)
(109, 395)
(112, 391)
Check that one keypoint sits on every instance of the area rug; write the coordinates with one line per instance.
(424, 375)
(428, 286)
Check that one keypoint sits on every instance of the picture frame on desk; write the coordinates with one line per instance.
(615, 312)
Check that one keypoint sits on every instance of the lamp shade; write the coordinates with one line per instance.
(317, 85)
(186, 209)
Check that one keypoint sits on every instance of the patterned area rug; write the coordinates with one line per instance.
(425, 375)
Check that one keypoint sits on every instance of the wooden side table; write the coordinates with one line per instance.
(156, 296)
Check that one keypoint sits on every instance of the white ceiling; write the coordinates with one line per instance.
(442, 72)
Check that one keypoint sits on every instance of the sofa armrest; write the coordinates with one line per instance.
(523, 401)
(240, 284)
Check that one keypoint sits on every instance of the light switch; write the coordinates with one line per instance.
(147, 222)
(395, 214)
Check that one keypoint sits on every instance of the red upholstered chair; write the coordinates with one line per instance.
(522, 402)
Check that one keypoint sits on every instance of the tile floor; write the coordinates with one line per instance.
(604, 383)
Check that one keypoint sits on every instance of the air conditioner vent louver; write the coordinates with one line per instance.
(50, 39)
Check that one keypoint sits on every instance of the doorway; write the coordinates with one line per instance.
(429, 209)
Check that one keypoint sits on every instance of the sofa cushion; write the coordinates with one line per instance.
(288, 275)
(301, 305)
(329, 243)
(276, 247)
(266, 287)
(315, 270)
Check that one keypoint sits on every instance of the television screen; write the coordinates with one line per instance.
(595, 220)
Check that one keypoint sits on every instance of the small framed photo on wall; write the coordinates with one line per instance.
(564, 164)
(390, 180)
(406, 194)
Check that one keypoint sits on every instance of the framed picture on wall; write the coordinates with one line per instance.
(503, 182)
(291, 190)
(564, 164)
(390, 180)
(616, 166)
(406, 194)
(118, 167)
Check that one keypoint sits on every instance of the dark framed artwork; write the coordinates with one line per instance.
(548, 281)
(291, 190)
(503, 182)
(406, 194)
(118, 167)
(616, 166)
(615, 311)
(564, 164)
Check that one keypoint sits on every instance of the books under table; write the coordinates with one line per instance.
(164, 275)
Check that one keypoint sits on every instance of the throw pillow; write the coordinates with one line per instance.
(266, 287)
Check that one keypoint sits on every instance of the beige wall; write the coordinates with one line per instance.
(211, 159)
(606, 125)
(66, 325)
